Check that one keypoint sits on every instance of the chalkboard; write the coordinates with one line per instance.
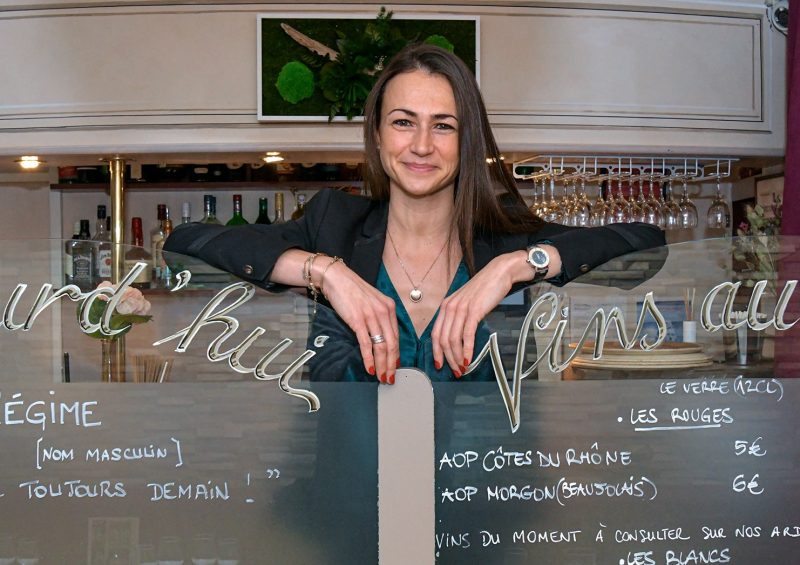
(96, 473)
(656, 472)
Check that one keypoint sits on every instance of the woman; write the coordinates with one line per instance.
(443, 239)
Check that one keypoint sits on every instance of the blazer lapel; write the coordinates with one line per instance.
(368, 247)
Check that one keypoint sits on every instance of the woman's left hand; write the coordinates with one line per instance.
(454, 332)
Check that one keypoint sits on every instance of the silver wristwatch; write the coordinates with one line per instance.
(539, 259)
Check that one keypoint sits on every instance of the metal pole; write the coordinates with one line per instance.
(117, 191)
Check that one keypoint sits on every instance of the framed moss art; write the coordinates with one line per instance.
(322, 67)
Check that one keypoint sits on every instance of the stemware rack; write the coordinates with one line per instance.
(597, 168)
(630, 189)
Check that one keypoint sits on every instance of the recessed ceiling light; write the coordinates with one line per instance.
(29, 161)
(273, 157)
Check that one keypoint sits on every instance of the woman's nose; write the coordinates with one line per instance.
(422, 144)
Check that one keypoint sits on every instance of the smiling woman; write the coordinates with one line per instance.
(411, 271)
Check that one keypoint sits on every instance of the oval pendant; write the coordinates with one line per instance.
(416, 295)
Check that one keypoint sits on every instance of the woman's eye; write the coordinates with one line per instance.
(444, 126)
(401, 123)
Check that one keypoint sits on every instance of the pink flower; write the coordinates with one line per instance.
(132, 301)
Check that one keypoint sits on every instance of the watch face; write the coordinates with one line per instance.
(539, 257)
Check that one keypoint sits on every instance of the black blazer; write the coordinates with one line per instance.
(354, 228)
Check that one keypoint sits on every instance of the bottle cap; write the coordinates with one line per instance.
(186, 210)
(160, 209)
(101, 211)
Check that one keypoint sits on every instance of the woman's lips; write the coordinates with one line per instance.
(420, 167)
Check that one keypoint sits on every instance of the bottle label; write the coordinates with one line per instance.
(104, 263)
(82, 267)
(144, 276)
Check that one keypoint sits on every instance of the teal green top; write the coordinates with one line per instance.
(418, 351)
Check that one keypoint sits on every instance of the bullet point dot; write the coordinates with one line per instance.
(619, 419)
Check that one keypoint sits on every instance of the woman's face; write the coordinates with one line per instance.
(418, 134)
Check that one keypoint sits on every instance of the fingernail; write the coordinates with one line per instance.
(383, 377)
(466, 361)
(438, 365)
(391, 379)
(371, 370)
(463, 369)
(457, 374)
(398, 362)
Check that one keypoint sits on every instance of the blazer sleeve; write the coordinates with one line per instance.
(583, 249)
(250, 251)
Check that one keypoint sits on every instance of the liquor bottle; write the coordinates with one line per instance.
(186, 213)
(165, 274)
(137, 254)
(156, 238)
(83, 259)
(102, 237)
(279, 219)
(237, 219)
(209, 210)
(68, 245)
(301, 207)
(263, 211)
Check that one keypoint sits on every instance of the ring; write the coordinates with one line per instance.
(377, 338)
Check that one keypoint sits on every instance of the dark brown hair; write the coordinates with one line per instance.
(486, 196)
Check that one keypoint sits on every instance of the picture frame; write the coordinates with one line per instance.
(275, 48)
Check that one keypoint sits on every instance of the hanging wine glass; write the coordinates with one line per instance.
(655, 204)
(619, 206)
(688, 211)
(582, 207)
(534, 207)
(553, 212)
(598, 213)
(671, 211)
(636, 202)
(719, 214)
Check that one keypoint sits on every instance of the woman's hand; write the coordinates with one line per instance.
(460, 313)
(369, 313)
(132, 301)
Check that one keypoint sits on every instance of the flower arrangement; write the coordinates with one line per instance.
(132, 308)
(756, 247)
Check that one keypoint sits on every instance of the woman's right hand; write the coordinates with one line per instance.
(366, 311)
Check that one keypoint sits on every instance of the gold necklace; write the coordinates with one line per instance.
(416, 292)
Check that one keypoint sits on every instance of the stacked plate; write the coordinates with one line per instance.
(668, 355)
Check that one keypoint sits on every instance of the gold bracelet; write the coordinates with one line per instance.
(335, 259)
(307, 266)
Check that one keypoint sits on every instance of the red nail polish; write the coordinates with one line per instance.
(466, 361)
(463, 369)
(371, 370)
(391, 379)
(398, 362)
(383, 377)
(438, 365)
(457, 374)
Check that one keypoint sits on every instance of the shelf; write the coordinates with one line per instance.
(214, 186)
